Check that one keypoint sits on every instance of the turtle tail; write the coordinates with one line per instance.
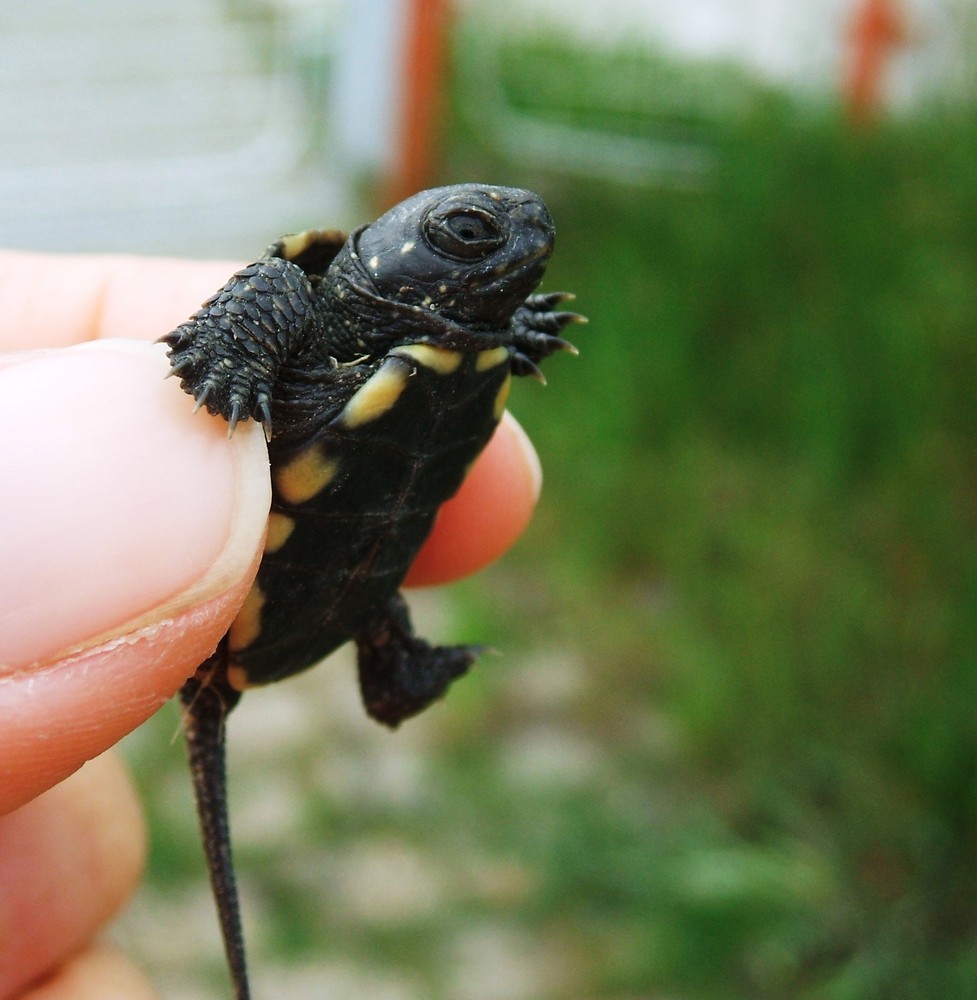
(207, 699)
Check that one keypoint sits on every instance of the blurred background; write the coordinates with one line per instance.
(729, 748)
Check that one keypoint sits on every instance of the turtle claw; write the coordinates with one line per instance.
(545, 301)
(176, 339)
(233, 417)
(536, 328)
(552, 322)
(238, 409)
(523, 365)
(551, 343)
(200, 398)
(263, 413)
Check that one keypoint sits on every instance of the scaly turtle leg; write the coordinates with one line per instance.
(401, 674)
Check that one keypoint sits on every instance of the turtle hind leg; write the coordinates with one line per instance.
(401, 674)
(207, 699)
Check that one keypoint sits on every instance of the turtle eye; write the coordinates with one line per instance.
(464, 234)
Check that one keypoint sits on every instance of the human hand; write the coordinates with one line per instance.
(134, 528)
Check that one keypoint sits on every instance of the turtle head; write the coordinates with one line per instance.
(469, 252)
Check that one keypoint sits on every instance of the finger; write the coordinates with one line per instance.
(53, 300)
(112, 296)
(68, 861)
(99, 973)
(120, 565)
(489, 512)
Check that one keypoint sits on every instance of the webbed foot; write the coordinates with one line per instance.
(400, 674)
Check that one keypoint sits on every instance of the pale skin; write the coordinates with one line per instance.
(133, 529)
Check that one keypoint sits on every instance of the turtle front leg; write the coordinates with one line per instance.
(536, 328)
(227, 355)
(400, 674)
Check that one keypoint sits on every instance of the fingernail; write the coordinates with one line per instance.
(119, 505)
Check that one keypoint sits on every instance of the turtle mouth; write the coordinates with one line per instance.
(531, 267)
(491, 298)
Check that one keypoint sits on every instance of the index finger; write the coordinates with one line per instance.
(54, 300)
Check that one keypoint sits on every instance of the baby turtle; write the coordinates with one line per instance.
(379, 365)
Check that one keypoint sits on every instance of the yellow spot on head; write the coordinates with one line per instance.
(438, 359)
(408, 246)
(307, 474)
(374, 398)
(280, 526)
(491, 358)
(373, 263)
(501, 397)
(247, 626)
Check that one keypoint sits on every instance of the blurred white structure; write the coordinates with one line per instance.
(798, 43)
(209, 126)
(166, 128)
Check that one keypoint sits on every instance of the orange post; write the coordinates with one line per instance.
(421, 99)
(876, 29)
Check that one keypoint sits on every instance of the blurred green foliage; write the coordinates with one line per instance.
(760, 523)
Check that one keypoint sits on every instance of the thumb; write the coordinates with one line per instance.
(132, 533)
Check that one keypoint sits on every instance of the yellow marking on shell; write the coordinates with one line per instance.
(280, 526)
(501, 397)
(491, 358)
(438, 359)
(295, 243)
(237, 677)
(247, 626)
(373, 399)
(307, 474)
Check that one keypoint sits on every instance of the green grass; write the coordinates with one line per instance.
(760, 525)
(731, 750)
